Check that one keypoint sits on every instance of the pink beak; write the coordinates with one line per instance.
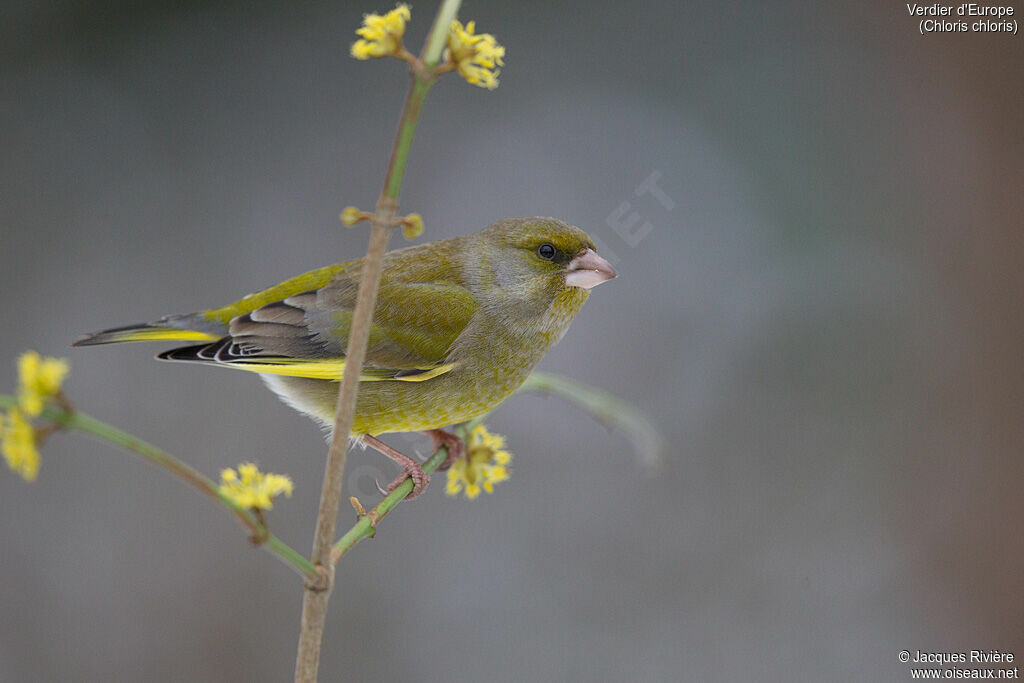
(589, 270)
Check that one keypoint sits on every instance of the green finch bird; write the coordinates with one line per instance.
(459, 324)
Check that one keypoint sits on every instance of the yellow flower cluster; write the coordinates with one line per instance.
(381, 36)
(485, 464)
(476, 56)
(18, 442)
(250, 488)
(39, 380)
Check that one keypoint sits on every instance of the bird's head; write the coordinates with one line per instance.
(536, 259)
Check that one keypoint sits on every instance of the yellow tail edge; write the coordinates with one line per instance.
(143, 333)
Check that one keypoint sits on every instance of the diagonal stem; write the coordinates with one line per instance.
(367, 524)
(611, 411)
(366, 527)
(614, 412)
(73, 419)
(317, 594)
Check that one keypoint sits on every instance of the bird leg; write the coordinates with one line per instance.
(411, 468)
(453, 442)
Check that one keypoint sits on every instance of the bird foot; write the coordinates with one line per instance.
(453, 442)
(420, 479)
(410, 468)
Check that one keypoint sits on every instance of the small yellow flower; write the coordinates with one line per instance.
(485, 464)
(350, 215)
(38, 379)
(412, 226)
(476, 56)
(250, 488)
(18, 443)
(381, 36)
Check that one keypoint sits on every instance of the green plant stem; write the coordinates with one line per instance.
(78, 421)
(366, 527)
(418, 90)
(609, 410)
(437, 38)
(317, 594)
(423, 79)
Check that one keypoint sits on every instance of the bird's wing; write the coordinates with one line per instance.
(212, 325)
(306, 335)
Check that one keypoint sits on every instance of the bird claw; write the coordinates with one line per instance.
(453, 442)
(420, 479)
(412, 469)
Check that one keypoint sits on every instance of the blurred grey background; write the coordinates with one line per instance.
(824, 317)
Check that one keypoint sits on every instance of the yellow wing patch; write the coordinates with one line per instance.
(428, 373)
(330, 369)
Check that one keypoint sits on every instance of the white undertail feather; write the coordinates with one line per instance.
(278, 385)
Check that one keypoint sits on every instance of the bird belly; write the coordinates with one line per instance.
(393, 406)
(481, 380)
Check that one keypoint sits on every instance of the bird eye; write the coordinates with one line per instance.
(546, 251)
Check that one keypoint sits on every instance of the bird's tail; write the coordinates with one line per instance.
(193, 327)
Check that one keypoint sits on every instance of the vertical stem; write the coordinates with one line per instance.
(438, 36)
(317, 594)
(410, 118)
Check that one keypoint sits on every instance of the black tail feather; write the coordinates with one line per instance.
(200, 353)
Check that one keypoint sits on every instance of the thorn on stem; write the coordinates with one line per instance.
(360, 510)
